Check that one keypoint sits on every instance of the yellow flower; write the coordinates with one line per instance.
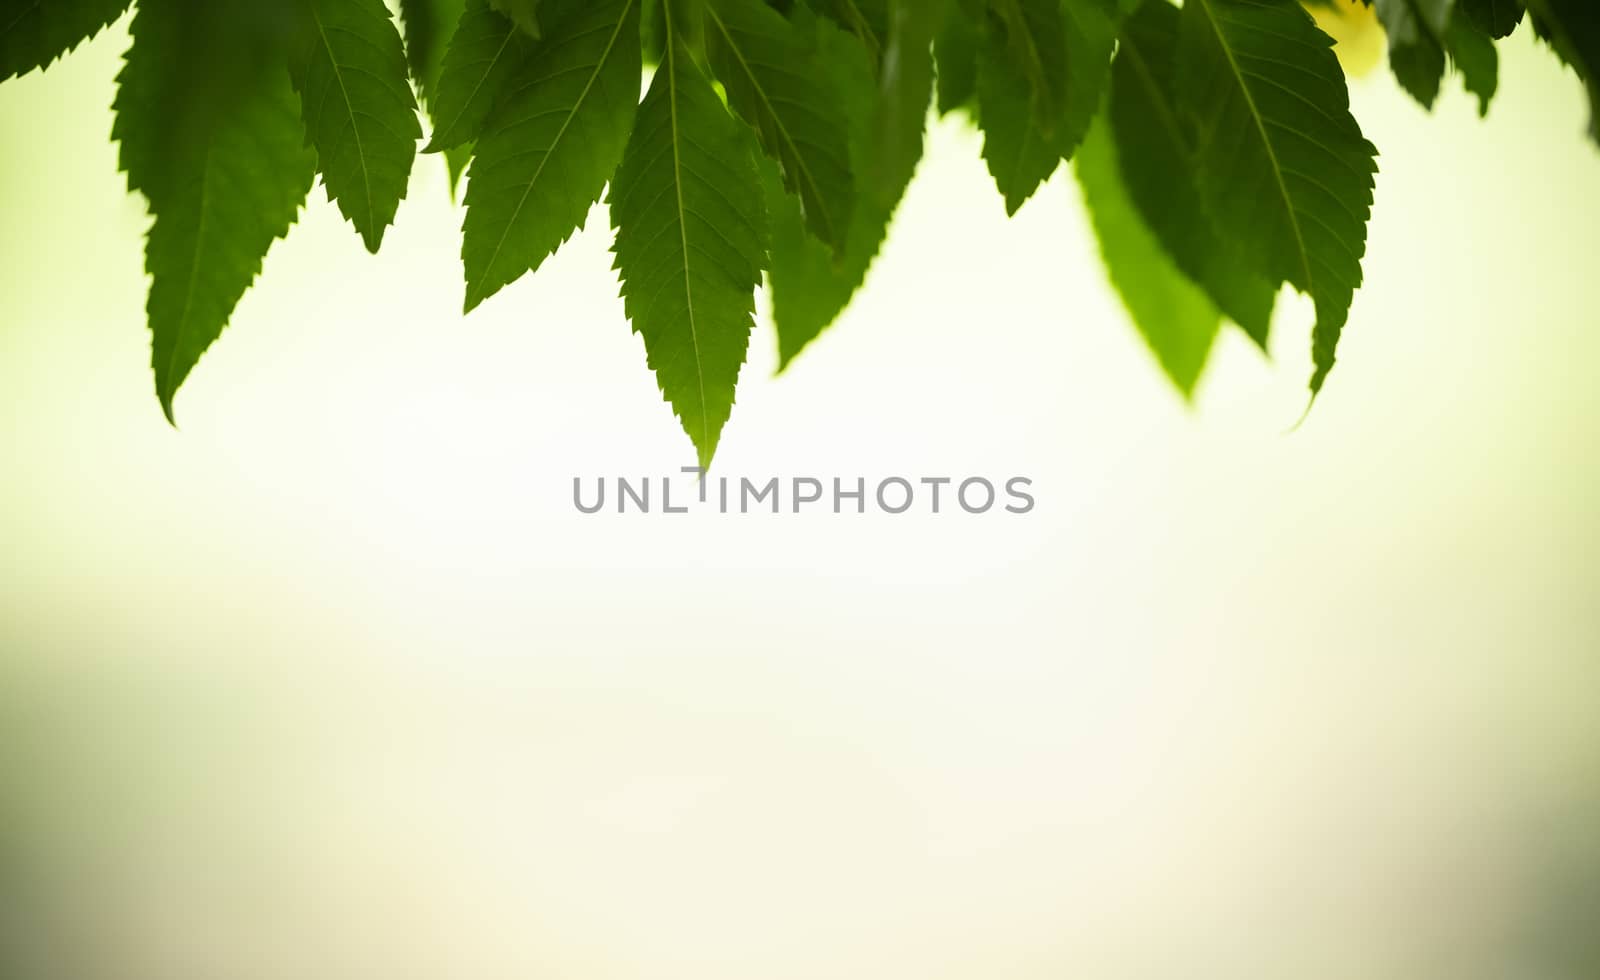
(1354, 26)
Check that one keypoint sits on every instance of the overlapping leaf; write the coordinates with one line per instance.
(955, 50)
(1280, 162)
(1175, 316)
(1496, 18)
(553, 140)
(359, 110)
(34, 33)
(1416, 30)
(1041, 74)
(1472, 53)
(885, 111)
(429, 25)
(1155, 152)
(776, 82)
(485, 51)
(691, 238)
(224, 165)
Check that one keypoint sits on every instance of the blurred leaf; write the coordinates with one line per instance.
(1281, 163)
(955, 52)
(553, 140)
(866, 19)
(34, 33)
(691, 240)
(359, 110)
(1174, 315)
(1416, 30)
(224, 164)
(1473, 54)
(1496, 18)
(1573, 30)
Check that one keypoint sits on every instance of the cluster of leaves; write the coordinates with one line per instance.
(1214, 143)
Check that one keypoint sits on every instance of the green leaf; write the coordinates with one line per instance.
(1496, 18)
(551, 143)
(905, 89)
(429, 25)
(1145, 112)
(485, 51)
(1013, 101)
(774, 81)
(691, 239)
(1473, 54)
(1573, 31)
(955, 53)
(359, 110)
(885, 114)
(1416, 30)
(523, 13)
(1174, 315)
(1034, 104)
(224, 165)
(1280, 161)
(455, 160)
(33, 33)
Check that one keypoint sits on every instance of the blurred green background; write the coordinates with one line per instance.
(334, 682)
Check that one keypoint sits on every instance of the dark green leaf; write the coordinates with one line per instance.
(359, 110)
(691, 241)
(1145, 110)
(552, 142)
(224, 164)
(1473, 54)
(34, 33)
(1416, 29)
(485, 51)
(774, 80)
(1174, 315)
(1281, 163)
(429, 25)
(905, 89)
(1573, 29)
(1496, 18)
(955, 52)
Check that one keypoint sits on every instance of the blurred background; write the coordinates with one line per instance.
(334, 682)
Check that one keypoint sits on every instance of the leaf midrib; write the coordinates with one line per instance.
(683, 232)
(170, 387)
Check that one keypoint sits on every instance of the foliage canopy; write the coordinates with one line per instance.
(1213, 141)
